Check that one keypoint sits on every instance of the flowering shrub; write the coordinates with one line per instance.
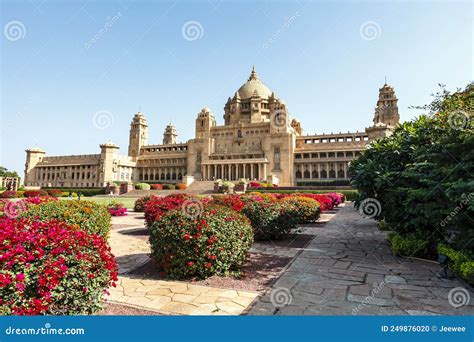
(142, 186)
(180, 186)
(39, 200)
(89, 216)
(335, 198)
(255, 185)
(141, 203)
(216, 242)
(168, 187)
(232, 201)
(157, 206)
(35, 193)
(156, 186)
(270, 220)
(8, 194)
(304, 208)
(49, 268)
(117, 209)
(55, 192)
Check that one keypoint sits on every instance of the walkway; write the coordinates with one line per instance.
(348, 269)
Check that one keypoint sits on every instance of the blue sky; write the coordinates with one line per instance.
(65, 61)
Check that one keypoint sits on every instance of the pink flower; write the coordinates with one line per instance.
(20, 277)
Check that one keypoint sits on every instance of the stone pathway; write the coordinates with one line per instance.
(130, 252)
(348, 269)
(170, 297)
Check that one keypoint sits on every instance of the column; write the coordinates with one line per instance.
(345, 170)
(311, 170)
(237, 176)
(251, 171)
(319, 170)
(265, 171)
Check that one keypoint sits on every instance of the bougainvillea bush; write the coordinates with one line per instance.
(50, 268)
(89, 216)
(117, 209)
(158, 206)
(305, 209)
(140, 203)
(9, 194)
(270, 220)
(214, 242)
(156, 186)
(55, 192)
(35, 193)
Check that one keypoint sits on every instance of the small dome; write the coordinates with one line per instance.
(254, 85)
(35, 149)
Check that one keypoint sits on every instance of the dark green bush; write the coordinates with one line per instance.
(270, 220)
(422, 174)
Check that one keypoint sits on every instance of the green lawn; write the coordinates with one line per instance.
(127, 201)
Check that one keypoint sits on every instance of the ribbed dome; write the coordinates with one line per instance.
(253, 84)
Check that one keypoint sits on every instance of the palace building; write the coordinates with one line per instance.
(259, 140)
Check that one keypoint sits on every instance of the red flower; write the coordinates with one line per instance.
(20, 277)
(208, 264)
(186, 237)
(190, 263)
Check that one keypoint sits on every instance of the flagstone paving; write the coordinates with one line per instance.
(349, 269)
(180, 298)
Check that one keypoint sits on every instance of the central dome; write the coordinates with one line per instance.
(254, 84)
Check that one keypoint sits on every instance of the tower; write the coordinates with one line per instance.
(170, 135)
(108, 167)
(386, 111)
(33, 157)
(138, 134)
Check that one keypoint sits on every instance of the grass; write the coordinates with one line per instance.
(128, 202)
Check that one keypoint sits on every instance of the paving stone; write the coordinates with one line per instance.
(391, 279)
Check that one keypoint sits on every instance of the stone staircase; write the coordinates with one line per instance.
(201, 187)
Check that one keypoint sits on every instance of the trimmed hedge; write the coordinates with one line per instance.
(87, 192)
(350, 195)
(142, 186)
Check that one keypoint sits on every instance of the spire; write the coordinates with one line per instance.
(385, 80)
(253, 75)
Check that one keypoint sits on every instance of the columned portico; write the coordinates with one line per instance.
(235, 169)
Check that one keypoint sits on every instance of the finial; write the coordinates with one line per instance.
(385, 80)
(253, 74)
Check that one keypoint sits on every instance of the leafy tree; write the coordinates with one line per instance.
(422, 174)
